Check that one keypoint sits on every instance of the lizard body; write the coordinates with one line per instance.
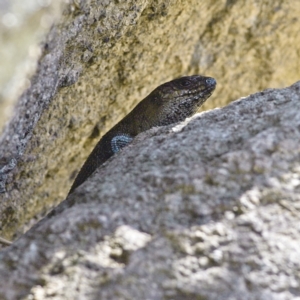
(169, 103)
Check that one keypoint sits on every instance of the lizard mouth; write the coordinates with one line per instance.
(204, 94)
(199, 97)
(201, 93)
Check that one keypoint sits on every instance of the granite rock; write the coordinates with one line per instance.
(207, 209)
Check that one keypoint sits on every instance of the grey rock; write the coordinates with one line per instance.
(102, 57)
(208, 209)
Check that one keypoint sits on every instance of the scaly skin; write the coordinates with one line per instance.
(169, 103)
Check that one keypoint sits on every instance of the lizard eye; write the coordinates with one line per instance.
(184, 83)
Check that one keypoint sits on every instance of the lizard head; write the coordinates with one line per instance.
(181, 97)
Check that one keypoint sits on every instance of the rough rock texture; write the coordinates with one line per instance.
(208, 209)
(105, 56)
(22, 27)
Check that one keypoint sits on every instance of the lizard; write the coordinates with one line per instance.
(169, 103)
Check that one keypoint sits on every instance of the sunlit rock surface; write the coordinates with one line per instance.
(98, 62)
(208, 210)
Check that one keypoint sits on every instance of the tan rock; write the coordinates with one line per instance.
(105, 57)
